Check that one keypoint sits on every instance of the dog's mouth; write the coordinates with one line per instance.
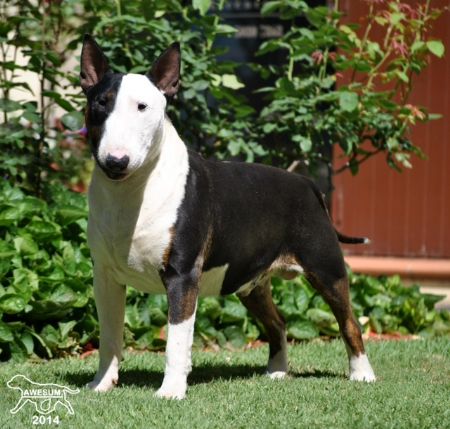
(115, 175)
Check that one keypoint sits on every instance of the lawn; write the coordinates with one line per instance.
(229, 390)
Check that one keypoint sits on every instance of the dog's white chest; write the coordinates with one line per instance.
(130, 222)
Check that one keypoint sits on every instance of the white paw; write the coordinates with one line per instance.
(277, 375)
(360, 369)
(171, 392)
(102, 385)
(368, 377)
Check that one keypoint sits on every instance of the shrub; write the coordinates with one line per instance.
(45, 272)
(32, 143)
(344, 86)
(338, 86)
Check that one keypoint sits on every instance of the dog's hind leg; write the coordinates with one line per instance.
(260, 303)
(336, 294)
(321, 258)
(110, 303)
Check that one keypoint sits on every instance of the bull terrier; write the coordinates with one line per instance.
(164, 220)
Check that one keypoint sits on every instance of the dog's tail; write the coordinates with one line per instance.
(351, 240)
(341, 237)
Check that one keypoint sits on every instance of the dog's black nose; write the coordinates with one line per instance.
(117, 165)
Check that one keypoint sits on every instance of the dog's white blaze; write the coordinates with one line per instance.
(360, 368)
(131, 132)
(178, 359)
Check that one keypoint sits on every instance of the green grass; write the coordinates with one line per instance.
(229, 390)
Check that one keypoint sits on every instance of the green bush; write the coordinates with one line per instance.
(45, 273)
(309, 106)
(329, 92)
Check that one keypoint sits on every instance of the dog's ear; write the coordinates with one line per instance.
(94, 64)
(165, 72)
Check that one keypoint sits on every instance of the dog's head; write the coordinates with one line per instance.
(125, 112)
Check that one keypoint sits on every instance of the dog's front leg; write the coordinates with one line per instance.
(182, 294)
(110, 302)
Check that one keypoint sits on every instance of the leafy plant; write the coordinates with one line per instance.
(338, 86)
(45, 273)
(392, 307)
(33, 39)
(37, 147)
(209, 113)
(343, 86)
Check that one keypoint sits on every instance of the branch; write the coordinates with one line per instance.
(357, 161)
(293, 166)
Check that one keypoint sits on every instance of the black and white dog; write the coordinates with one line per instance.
(165, 220)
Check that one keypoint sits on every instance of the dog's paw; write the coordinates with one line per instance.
(361, 370)
(277, 368)
(102, 385)
(277, 375)
(171, 392)
(368, 377)
(174, 386)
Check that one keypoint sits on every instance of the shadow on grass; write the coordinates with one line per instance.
(318, 374)
(202, 374)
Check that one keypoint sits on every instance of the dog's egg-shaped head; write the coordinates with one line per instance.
(125, 112)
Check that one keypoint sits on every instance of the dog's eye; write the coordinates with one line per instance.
(101, 102)
(141, 107)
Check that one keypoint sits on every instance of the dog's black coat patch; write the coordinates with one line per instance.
(101, 100)
(255, 213)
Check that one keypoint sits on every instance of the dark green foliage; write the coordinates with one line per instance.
(338, 86)
(133, 37)
(392, 307)
(45, 272)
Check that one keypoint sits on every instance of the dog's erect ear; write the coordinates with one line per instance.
(165, 72)
(94, 64)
